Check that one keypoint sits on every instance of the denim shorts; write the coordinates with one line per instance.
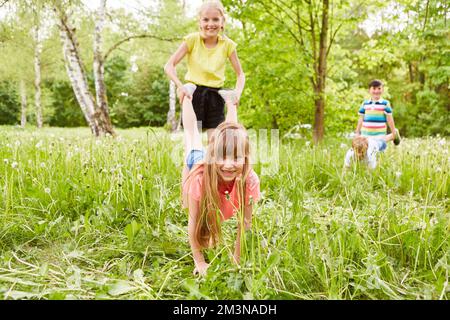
(382, 145)
(193, 157)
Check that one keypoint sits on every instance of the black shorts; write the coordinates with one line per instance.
(208, 107)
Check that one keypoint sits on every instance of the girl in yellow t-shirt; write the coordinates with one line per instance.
(207, 52)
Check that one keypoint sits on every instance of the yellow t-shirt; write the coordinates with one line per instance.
(206, 67)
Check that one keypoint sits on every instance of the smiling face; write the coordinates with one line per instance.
(211, 22)
(229, 168)
(229, 152)
(376, 92)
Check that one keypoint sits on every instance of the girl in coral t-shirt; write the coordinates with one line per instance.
(216, 182)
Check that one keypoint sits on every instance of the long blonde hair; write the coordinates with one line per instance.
(227, 137)
(360, 145)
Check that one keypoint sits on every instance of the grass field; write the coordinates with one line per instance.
(82, 218)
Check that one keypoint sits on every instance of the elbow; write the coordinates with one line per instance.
(167, 67)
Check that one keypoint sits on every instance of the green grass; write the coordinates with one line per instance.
(82, 218)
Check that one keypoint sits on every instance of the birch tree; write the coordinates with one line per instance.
(75, 69)
(37, 72)
(171, 115)
(23, 100)
(96, 111)
(26, 39)
(102, 113)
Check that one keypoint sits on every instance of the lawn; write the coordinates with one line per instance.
(86, 218)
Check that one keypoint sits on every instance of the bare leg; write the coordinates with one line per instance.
(192, 137)
(231, 112)
(229, 96)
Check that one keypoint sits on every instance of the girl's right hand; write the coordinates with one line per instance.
(201, 268)
(183, 92)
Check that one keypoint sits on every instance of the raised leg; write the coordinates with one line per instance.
(192, 136)
(231, 102)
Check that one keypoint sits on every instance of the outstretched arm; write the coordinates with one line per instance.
(170, 70)
(232, 100)
(348, 158)
(246, 224)
(199, 260)
(240, 80)
(359, 125)
(391, 124)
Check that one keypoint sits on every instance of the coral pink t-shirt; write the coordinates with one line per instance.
(228, 196)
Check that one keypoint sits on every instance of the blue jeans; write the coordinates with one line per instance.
(382, 145)
(193, 157)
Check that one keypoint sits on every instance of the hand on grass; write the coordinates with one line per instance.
(201, 268)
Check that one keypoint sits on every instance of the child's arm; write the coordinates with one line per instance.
(200, 265)
(248, 210)
(391, 124)
(170, 70)
(359, 125)
(240, 80)
(348, 158)
(371, 160)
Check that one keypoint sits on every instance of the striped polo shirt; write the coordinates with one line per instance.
(374, 112)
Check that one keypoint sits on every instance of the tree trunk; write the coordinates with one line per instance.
(321, 74)
(411, 96)
(37, 76)
(76, 72)
(102, 113)
(171, 115)
(23, 95)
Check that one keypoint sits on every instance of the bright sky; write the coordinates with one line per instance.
(375, 22)
(132, 5)
(380, 20)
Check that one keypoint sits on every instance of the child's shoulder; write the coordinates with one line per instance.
(230, 44)
(226, 38)
(193, 184)
(384, 102)
(252, 178)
